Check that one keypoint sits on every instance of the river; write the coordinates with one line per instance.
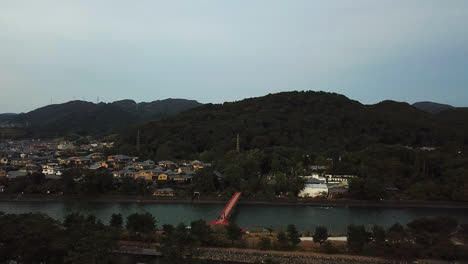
(251, 217)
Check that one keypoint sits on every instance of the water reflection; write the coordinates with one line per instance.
(306, 218)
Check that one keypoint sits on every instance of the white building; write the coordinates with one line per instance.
(314, 190)
(51, 169)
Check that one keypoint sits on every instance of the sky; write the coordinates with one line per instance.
(53, 51)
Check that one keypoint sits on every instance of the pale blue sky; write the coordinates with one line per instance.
(216, 51)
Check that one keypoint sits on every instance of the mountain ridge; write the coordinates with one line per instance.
(311, 120)
(432, 107)
(87, 118)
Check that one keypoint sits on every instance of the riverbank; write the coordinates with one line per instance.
(236, 255)
(216, 200)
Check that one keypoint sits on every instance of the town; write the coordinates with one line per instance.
(49, 161)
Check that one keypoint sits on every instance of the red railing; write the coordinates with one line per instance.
(222, 218)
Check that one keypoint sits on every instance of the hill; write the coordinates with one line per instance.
(386, 144)
(432, 107)
(313, 121)
(86, 118)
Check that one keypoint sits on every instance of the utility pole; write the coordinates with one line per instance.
(138, 142)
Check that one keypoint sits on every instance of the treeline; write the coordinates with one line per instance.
(83, 182)
(257, 173)
(37, 238)
(421, 238)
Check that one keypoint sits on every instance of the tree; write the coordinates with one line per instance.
(168, 229)
(265, 243)
(270, 229)
(396, 234)
(116, 221)
(282, 240)
(69, 183)
(177, 244)
(87, 240)
(430, 231)
(201, 232)
(378, 234)
(357, 238)
(293, 235)
(234, 232)
(320, 234)
(366, 189)
(37, 178)
(204, 180)
(29, 238)
(141, 223)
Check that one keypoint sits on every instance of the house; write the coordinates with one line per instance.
(162, 177)
(95, 167)
(146, 174)
(185, 170)
(51, 169)
(312, 181)
(78, 161)
(123, 173)
(16, 174)
(180, 178)
(2, 173)
(119, 158)
(168, 192)
(95, 156)
(147, 164)
(314, 178)
(65, 146)
(196, 165)
(339, 178)
(166, 164)
(31, 168)
(19, 162)
(318, 167)
(314, 190)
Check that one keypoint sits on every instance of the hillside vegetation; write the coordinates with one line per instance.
(282, 134)
(313, 121)
(86, 118)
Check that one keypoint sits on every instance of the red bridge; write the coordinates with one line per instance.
(222, 218)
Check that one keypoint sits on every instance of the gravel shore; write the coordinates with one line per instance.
(250, 256)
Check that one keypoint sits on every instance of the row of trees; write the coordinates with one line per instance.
(421, 238)
(84, 182)
(37, 238)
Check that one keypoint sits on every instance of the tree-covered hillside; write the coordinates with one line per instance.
(432, 107)
(86, 118)
(281, 135)
(313, 121)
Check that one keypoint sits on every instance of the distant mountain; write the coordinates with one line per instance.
(432, 107)
(313, 121)
(86, 118)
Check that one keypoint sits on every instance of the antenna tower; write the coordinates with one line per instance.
(138, 141)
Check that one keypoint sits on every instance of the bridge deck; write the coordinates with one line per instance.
(222, 218)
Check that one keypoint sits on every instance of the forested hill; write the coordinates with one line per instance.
(86, 118)
(312, 121)
(432, 107)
